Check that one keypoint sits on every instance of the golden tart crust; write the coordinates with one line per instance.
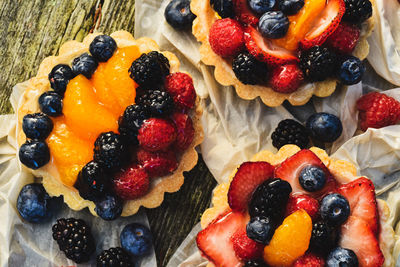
(28, 103)
(224, 74)
(343, 171)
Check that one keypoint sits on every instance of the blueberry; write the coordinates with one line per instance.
(334, 209)
(261, 6)
(59, 77)
(224, 8)
(312, 178)
(273, 24)
(179, 15)
(260, 229)
(34, 154)
(290, 7)
(324, 127)
(34, 204)
(342, 257)
(109, 207)
(351, 70)
(85, 64)
(102, 47)
(136, 239)
(37, 126)
(50, 103)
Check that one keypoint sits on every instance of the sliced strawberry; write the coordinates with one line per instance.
(300, 201)
(247, 178)
(358, 236)
(361, 195)
(215, 241)
(309, 260)
(290, 169)
(325, 25)
(244, 247)
(244, 13)
(262, 49)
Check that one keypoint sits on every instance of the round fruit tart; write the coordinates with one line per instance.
(284, 49)
(110, 124)
(296, 208)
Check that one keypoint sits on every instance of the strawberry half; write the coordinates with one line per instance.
(290, 169)
(358, 236)
(262, 49)
(247, 178)
(361, 196)
(215, 241)
(325, 25)
(244, 13)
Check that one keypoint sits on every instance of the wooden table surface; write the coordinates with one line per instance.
(31, 30)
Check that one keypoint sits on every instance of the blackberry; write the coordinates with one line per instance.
(92, 182)
(59, 77)
(270, 199)
(74, 238)
(290, 132)
(110, 150)
(255, 263)
(149, 69)
(249, 70)
(224, 8)
(159, 103)
(357, 11)
(318, 63)
(114, 257)
(130, 122)
(323, 237)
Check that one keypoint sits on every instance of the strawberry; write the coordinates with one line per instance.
(345, 38)
(309, 260)
(180, 87)
(226, 37)
(286, 78)
(157, 164)
(131, 182)
(244, 13)
(263, 50)
(377, 110)
(358, 236)
(156, 134)
(215, 242)
(300, 201)
(361, 196)
(184, 131)
(290, 169)
(327, 24)
(247, 178)
(244, 247)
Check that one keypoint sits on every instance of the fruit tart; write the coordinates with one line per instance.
(296, 208)
(110, 123)
(284, 50)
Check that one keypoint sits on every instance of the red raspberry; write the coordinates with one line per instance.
(157, 164)
(226, 37)
(377, 110)
(309, 260)
(344, 39)
(286, 78)
(156, 134)
(184, 129)
(244, 247)
(180, 87)
(131, 183)
(305, 202)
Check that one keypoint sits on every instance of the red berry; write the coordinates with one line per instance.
(157, 164)
(184, 130)
(131, 183)
(305, 202)
(244, 247)
(180, 87)
(345, 38)
(309, 260)
(156, 134)
(286, 78)
(377, 110)
(226, 37)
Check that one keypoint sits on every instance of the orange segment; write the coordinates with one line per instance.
(290, 241)
(300, 24)
(113, 86)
